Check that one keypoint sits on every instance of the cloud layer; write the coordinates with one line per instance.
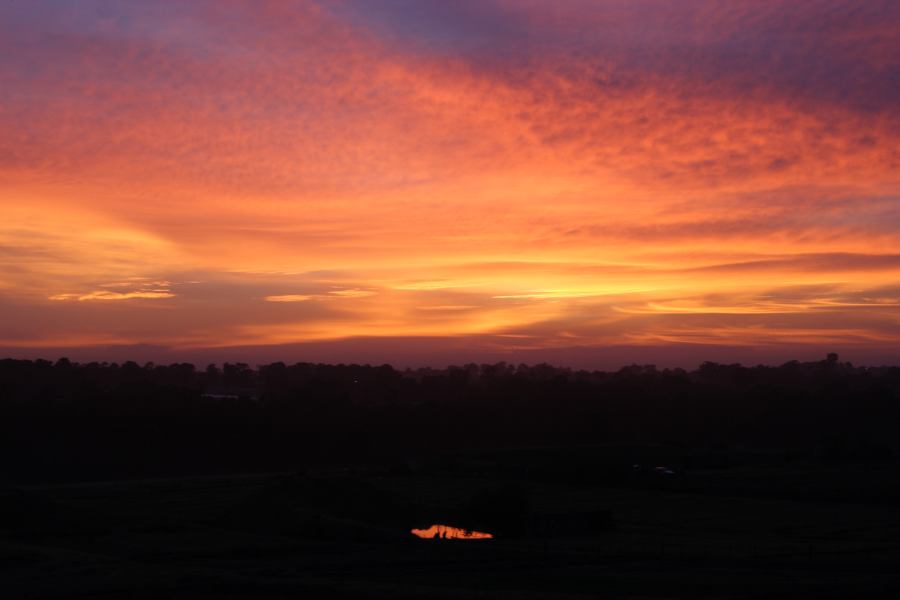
(525, 176)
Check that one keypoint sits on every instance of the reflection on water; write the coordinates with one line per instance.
(450, 533)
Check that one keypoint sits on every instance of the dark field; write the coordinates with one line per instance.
(794, 530)
(129, 481)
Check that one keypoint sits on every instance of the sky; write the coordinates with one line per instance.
(589, 183)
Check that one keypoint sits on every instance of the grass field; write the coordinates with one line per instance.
(747, 532)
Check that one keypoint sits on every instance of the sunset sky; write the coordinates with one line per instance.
(590, 183)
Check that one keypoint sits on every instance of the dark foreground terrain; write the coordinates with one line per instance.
(787, 531)
(130, 481)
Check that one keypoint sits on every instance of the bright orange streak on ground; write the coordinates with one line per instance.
(450, 533)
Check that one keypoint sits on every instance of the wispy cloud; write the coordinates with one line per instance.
(107, 295)
(289, 298)
(133, 288)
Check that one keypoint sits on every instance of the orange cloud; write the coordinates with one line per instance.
(538, 176)
(289, 298)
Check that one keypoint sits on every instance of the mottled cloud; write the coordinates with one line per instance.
(524, 175)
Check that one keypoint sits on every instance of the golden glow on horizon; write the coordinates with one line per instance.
(289, 298)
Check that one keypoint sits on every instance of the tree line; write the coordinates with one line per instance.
(63, 419)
